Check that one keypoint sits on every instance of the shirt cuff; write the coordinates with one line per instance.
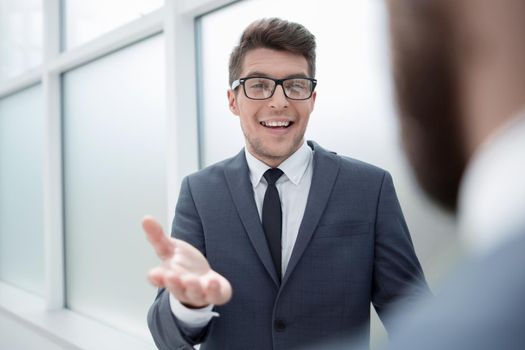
(193, 318)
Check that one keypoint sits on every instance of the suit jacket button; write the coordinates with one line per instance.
(279, 325)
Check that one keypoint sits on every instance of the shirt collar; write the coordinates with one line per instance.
(294, 167)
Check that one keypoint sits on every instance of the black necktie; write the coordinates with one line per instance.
(272, 217)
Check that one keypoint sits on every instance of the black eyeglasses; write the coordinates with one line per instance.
(262, 88)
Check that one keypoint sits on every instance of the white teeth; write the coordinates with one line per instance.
(275, 124)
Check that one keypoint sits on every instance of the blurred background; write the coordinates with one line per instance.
(106, 105)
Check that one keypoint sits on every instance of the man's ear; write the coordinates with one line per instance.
(314, 96)
(232, 102)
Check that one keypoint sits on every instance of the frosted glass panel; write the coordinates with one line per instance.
(114, 170)
(21, 190)
(21, 36)
(85, 20)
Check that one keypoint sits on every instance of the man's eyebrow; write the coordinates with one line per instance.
(299, 75)
(264, 75)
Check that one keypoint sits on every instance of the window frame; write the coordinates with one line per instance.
(48, 316)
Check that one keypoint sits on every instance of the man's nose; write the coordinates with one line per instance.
(278, 99)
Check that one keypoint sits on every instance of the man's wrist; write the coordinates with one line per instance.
(191, 317)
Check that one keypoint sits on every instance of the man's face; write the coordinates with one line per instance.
(273, 128)
(426, 87)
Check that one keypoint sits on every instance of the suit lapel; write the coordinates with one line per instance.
(326, 168)
(241, 189)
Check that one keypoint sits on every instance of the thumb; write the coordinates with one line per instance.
(163, 246)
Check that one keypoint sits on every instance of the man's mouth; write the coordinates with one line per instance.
(276, 124)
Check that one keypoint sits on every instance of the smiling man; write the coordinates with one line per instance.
(286, 243)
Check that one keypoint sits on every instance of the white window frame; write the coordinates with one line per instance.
(48, 316)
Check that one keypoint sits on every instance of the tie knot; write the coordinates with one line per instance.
(272, 175)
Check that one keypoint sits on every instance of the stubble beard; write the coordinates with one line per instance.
(257, 147)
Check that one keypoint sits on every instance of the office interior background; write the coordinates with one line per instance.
(105, 105)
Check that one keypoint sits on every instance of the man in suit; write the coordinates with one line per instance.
(306, 239)
(459, 67)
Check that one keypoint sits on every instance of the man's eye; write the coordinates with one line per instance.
(297, 85)
(260, 86)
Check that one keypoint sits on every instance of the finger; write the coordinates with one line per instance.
(156, 276)
(194, 292)
(220, 290)
(211, 291)
(163, 245)
(175, 286)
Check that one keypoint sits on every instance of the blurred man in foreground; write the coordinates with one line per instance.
(459, 69)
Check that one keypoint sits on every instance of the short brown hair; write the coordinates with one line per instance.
(276, 34)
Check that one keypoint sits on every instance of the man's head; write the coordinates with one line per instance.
(275, 34)
(273, 124)
(458, 68)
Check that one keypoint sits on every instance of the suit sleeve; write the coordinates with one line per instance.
(398, 276)
(167, 332)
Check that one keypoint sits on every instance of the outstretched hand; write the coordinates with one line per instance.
(184, 271)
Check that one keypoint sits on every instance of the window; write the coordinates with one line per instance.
(114, 173)
(85, 20)
(21, 190)
(20, 36)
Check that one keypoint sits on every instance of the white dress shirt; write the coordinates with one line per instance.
(293, 187)
(492, 193)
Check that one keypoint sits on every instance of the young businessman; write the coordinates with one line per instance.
(286, 242)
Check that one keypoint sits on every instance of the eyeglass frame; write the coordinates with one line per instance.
(241, 81)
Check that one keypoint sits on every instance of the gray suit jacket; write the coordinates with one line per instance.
(353, 249)
(479, 307)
